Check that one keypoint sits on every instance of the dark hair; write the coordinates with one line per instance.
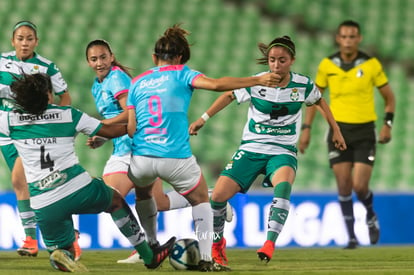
(349, 23)
(25, 23)
(283, 41)
(31, 92)
(102, 42)
(173, 44)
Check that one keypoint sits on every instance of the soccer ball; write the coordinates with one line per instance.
(185, 255)
(58, 266)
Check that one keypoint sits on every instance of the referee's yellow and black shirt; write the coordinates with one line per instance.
(351, 86)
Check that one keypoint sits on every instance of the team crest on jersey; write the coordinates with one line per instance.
(359, 73)
(294, 96)
(35, 69)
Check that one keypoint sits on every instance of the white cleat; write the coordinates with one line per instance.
(229, 212)
(132, 259)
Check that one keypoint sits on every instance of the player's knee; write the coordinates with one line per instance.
(118, 202)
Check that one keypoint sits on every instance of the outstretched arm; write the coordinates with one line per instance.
(113, 130)
(220, 103)
(231, 83)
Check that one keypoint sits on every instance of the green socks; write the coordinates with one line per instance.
(27, 217)
(279, 210)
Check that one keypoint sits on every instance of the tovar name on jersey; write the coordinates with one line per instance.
(40, 141)
(47, 116)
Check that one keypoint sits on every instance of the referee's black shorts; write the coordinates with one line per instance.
(360, 141)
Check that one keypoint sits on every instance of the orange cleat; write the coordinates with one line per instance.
(266, 252)
(29, 248)
(218, 252)
(78, 250)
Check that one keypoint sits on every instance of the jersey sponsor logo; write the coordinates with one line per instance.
(229, 166)
(156, 139)
(47, 116)
(270, 130)
(262, 92)
(155, 131)
(153, 82)
(8, 65)
(53, 180)
(278, 110)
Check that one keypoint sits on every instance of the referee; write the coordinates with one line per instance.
(351, 76)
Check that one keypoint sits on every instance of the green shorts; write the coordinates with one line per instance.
(55, 220)
(10, 155)
(246, 166)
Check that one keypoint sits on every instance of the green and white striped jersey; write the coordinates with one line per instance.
(11, 66)
(46, 145)
(275, 115)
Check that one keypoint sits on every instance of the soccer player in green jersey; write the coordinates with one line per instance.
(24, 59)
(44, 136)
(268, 143)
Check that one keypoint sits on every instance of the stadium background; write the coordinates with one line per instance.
(224, 37)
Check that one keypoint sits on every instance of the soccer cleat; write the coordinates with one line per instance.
(373, 229)
(62, 261)
(161, 253)
(265, 253)
(29, 248)
(218, 252)
(352, 244)
(229, 212)
(133, 258)
(205, 266)
(76, 247)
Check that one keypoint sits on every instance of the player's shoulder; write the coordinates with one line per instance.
(42, 60)
(300, 78)
(8, 55)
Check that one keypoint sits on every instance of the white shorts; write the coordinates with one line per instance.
(116, 165)
(183, 174)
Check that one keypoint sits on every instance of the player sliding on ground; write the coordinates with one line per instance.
(59, 186)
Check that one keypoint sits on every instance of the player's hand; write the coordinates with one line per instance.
(385, 134)
(304, 140)
(95, 142)
(338, 140)
(195, 126)
(270, 79)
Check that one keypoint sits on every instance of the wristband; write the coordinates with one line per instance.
(305, 126)
(389, 117)
(205, 116)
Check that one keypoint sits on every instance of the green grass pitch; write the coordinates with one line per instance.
(364, 260)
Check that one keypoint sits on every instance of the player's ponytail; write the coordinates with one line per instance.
(173, 44)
